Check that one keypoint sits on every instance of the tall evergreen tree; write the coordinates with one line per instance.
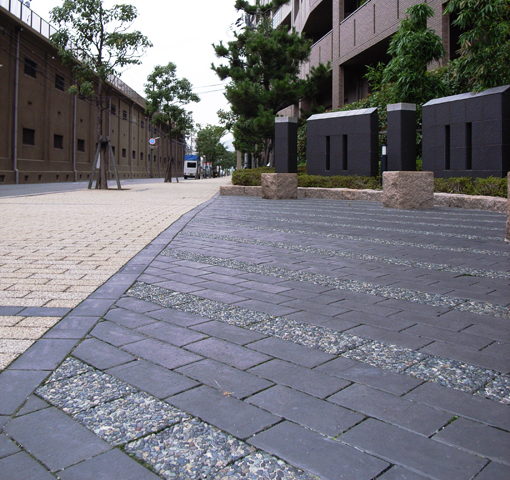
(263, 65)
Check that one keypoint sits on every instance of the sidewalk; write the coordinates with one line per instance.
(257, 339)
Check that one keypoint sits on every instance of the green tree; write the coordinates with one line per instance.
(97, 42)
(413, 47)
(485, 42)
(166, 96)
(263, 65)
(208, 144)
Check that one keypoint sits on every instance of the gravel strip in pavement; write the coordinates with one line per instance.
(356, 238)
(415, 296)
(474, 272)
(450, 373)
(172, 443)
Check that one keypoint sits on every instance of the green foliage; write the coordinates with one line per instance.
(263, 65)
(166, 95)
(413, 47)
(340, 181)
(97, 44)
(98, 37)
(209, 144)
(229, 160)
(490, 186)
(250, 177)
(485, 42)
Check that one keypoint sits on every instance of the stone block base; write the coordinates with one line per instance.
(279, 186)
(408, 190)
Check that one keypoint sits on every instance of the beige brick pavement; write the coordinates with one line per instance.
(56, 249)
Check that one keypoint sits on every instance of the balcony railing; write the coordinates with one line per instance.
(30, 18)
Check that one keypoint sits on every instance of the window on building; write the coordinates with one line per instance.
(30, 67)
(113, 109)
(81, 145)
(58, 141)
(133, 155)
(28, 136)
(124, 153)
(60, 82)
(143, 124)
(141, 156)
(124, 115)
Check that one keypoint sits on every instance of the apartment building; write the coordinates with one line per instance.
(352, 34)
(48, 135)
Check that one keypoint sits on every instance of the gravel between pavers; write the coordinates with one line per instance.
(173, 443)
(440, 267)
(446, 372)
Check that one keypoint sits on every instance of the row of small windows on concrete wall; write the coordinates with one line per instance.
(31, 71)
(58, 140)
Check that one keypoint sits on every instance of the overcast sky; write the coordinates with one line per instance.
(182, 32)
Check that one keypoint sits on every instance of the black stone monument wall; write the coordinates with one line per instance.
(401, 132)
(285, 145)
(343, 143)
(468, 135)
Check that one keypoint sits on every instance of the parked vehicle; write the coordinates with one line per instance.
(191, 166)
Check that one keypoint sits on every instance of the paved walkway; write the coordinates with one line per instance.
(56, 249)
(277, 339)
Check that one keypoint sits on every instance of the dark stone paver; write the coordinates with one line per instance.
(227, 379)
(478, 439)
(16, 386)
(7, 447)
(459, 403)
(399, 473)
(55, 439)
(227, 332)
(494, 471)
(225, 352)
(33, 404)
(108, 466)
(413, 451)
(100, 354)
(161, 353)
(184, 319)
(22, 466)
(44, 312)
(224, 411)
(46, 354)
(114, 334)
(324, 457)
(72, 327)
(291, 352)
(153, 379)
(128, 318)
(363, 373)
(300, 378)
(391, 409)
(171, 333)
(305, 410)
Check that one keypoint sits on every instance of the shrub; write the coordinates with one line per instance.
(491, 186)
(454, 185)
(249, 177)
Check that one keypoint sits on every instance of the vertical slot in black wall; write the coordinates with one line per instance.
(447, 147)
(328, 154)
(344, 152)
(469, 146)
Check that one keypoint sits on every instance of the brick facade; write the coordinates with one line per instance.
(352, 36)
(56, 134)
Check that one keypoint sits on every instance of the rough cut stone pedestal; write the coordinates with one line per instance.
(507, 235)
(408, 190)
(279, 186)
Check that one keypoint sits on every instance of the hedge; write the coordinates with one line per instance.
(490, 186)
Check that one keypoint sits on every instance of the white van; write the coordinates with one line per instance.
(190, 169)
